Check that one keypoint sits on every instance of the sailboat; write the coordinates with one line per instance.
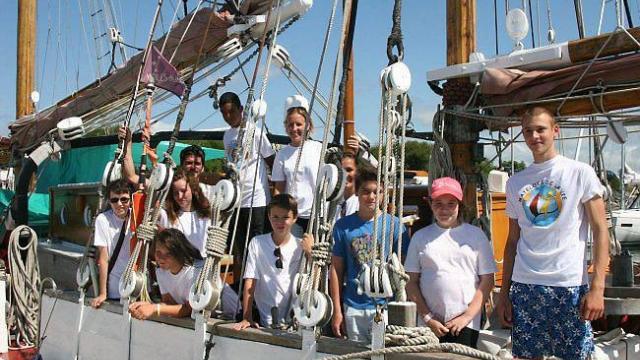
(74, 330)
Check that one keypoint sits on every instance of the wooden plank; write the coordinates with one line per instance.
(612, 101)
(586, 49)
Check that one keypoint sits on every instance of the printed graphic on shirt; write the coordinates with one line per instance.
(542, 202)
(362, 249)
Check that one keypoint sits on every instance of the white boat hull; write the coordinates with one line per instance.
(102, 338)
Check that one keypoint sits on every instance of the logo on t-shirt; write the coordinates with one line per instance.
(542, 202)
(362, 249)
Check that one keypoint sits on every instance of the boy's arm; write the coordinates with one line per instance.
(128, 168)
(247, 305)
(504, 303)
(103, 273)
(592, 306)
(269, 160)
(336, 279)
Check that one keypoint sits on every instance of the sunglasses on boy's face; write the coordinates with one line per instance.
(123, 200)
(277, 253)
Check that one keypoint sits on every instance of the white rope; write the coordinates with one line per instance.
(347, 11)
(25, 287)
(401, 340)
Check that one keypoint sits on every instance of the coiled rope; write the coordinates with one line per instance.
(25, 287)
(400, 340)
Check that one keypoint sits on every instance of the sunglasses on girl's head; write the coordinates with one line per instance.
(124, 200)
(277, 253)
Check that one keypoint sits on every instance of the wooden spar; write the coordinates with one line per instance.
(26, 57)
(460, 134)
(349, 119)
(348, 113)
(586, 49)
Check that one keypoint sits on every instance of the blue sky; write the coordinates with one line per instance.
(70, 64)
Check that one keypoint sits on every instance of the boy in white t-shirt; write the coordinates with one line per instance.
(450, 266)
(108, 226)
(545, 293)
(254, 200)
(272, 262)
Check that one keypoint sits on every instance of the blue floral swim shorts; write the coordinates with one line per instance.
(546, 322)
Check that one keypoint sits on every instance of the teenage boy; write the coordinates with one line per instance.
(260, 155)
(353, 247)
(273, 260)
(545, 294)
(107, 235)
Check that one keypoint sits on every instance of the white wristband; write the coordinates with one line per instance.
(427, 317)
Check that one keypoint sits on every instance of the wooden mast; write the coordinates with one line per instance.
(462, 135)
(349, 122)
(26, 56)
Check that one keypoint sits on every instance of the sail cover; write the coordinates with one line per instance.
(30, 130)
(508, 87)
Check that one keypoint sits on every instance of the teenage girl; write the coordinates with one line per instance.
(451, 266)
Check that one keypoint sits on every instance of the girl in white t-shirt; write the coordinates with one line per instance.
(174, 257)
(187, 210)
(451, 266)
(300, 184)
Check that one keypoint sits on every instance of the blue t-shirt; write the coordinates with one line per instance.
(353, 242)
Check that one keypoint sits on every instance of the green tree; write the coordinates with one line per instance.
(517, 166)
(417, 154)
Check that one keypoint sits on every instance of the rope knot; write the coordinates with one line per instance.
(321, 253)
(146, 232)
(216, 241)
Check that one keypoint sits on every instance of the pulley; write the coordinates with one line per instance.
(112, 172)
(317, 312)
(161, 177)
(227, 193)
(131, 286)
(374, 281)
(281, 56)
(336, 179)
(83, 275)
(70, 128)
(229, 49)
(299, 283)
(396, 78)
(258, 109)
(207, 298)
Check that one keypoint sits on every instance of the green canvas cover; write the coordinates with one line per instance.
(86, 164)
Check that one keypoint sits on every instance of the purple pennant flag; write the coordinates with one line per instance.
(161, 73)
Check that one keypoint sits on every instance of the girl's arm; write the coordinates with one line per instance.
(103, 273)
(414, 294)
(458, 323)
(247, 306)
(169, 307)
(143, 310)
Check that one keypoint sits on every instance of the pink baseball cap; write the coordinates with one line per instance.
(446, 185)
